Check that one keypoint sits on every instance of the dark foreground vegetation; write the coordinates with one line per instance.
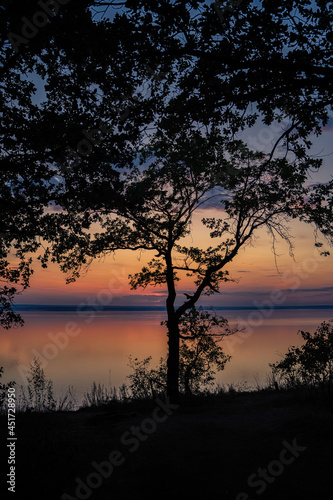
(223, 446)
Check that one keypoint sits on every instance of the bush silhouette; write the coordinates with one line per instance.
(38, 395)
(310, 365)
(200, 357)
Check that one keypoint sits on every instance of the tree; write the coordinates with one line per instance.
(35, 133)
(275, 55)
(190, 61)
(311, 364)
(26, 177)
(169, 95)
(154, 209)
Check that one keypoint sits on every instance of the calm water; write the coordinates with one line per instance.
(97, 346)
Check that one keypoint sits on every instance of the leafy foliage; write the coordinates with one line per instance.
(174, 66)
(163, 90)
(200, 356)
(310, 365)
(146, 382)
(8, 317)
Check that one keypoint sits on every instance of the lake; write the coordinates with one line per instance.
(79, 347)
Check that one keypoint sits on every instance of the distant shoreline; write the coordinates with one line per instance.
(85, 307)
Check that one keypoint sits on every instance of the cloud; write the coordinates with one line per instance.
(327, 289)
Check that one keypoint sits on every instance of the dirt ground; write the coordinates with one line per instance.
(237, 446)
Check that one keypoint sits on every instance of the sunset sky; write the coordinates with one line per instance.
(305, 281)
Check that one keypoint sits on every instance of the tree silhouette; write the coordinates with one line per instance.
(190, 64)
(136, 138)
(154, 208)
(26, 173)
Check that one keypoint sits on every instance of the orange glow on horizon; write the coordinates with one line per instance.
(254, 269)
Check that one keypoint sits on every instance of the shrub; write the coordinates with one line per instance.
(310, 365)
(147, 382)
(199, 357)
(38, 395)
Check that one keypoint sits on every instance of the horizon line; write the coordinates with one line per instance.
(82, 307)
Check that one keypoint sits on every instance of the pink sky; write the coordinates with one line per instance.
(305, 281)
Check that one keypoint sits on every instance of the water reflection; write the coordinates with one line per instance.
(100, 348)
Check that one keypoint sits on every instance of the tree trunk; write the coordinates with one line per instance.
(173, 360)
(173, 334)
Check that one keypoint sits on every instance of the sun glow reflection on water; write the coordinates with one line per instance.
(100, 351)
